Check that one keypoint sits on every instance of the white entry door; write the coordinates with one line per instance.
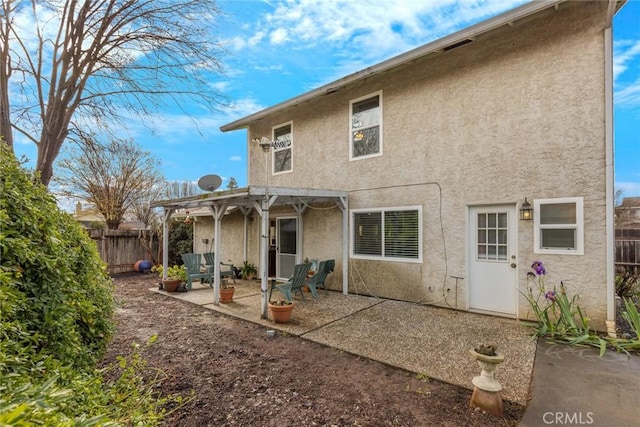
(286, 246)
(492, 259)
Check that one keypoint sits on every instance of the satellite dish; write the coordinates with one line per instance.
(209, 182)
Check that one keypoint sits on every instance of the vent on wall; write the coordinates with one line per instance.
(456, 45)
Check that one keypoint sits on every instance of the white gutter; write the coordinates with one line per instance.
(469, 33)
(609, 172)
(609, 167)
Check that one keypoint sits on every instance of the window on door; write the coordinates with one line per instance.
(492, 237)
(559, 226)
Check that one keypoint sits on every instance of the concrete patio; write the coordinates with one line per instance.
(423, 339)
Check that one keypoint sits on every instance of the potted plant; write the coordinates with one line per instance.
(248, 270)
(281, 310)
(226, 291)
(176, 276)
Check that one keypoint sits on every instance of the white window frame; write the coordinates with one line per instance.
(275, 149)
(578, 227)
(352, 130)
(382, 211)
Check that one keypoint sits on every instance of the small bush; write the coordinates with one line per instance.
(627, 284)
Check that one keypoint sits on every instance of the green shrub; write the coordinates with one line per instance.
(53, 281)
(56, 305)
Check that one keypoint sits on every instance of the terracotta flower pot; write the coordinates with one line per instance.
(281, 313)
(226, 294)
(171, 285)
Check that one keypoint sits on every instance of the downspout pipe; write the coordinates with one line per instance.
(609, 171)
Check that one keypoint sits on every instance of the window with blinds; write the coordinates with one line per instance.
(387, 233)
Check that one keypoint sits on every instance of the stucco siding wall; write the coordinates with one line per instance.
(231, 237)
(517, 113)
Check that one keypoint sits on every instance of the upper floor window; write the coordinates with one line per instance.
(282, 148)
(559, 226)
(366, 126)
(391, 233)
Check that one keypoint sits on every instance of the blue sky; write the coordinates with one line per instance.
(278, 49)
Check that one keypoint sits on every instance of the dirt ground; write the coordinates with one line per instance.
(241, 377)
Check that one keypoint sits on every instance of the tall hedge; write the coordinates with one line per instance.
(56, 298)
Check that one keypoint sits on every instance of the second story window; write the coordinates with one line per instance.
(282, 148)
(366, 126)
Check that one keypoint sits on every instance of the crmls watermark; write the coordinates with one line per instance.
(568, 418)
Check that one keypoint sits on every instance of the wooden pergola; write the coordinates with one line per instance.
(260, 199)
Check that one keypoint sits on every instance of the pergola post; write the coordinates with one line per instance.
(344, 207)
(218, 211)
(263, 211)
(165, 240)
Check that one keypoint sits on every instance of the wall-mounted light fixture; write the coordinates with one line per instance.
(264, 143)
(526, 211)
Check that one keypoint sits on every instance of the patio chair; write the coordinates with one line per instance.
(329, 266)
(194, 269)
(317, 279)
(225, 269)
(295, 282)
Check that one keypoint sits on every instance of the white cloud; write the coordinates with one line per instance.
(624, 53)
(235, 158)
(626, 62)
(376, 27)
(279, 36)
(628, 95)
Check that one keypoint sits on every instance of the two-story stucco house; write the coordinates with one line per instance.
(415, 174)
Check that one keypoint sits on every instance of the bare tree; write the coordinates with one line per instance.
(179, 189)
(99, 60)
(617, 196)
(232, 184)
(112, 177)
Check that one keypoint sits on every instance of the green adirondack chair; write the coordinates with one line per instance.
(226, 270)
(194, 267)
(329, 266)
(317, 280)
(295, 282)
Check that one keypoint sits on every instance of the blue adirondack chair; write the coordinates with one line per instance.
(194, 266)
(295, 282)
(225, 269)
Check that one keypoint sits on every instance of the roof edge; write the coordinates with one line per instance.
(483, 27)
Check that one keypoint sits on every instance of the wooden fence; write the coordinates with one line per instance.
(628, 249)
(120, 249)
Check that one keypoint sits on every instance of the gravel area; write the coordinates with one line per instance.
(427, 340)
